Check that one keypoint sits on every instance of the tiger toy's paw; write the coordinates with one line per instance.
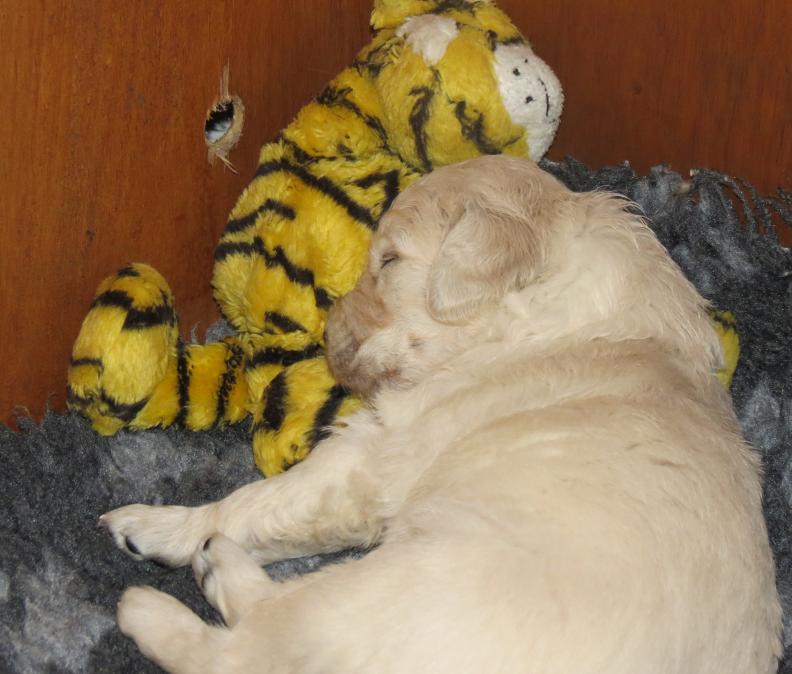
(125, 350)
(298, 409)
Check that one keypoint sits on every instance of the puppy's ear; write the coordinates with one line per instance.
(490, 248)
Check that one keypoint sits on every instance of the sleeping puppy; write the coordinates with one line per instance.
(549, 472)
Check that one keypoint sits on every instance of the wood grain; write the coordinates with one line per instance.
(103, 105)
(103, 152)
(690, 84)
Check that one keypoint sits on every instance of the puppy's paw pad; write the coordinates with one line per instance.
(124, 524)
(133, 549)
(216, 557)
(216, 550)
(158, 533)
(202, 565)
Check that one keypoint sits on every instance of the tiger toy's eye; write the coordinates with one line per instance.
(387, 259)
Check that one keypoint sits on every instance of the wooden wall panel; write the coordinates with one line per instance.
(691, 84)
(103, 105)
(103, 158)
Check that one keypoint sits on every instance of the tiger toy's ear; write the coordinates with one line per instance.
(391, 13)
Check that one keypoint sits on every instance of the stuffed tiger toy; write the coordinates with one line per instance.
(441, 81)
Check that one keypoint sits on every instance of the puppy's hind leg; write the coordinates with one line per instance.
(169, 633)
(231, 580)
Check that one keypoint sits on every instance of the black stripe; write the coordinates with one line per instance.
(375, 59)
(232, 362)
(390, 181)
(303, 157)
(327, 413)
(282, 322)
(140, 319)
(224, 250)
(275, 406)
(300, 155)
(129, 270)
(372, 122)
(340, 98)
(473, 129)
(299, 275)
(276, 355)
(113, 298)
(78, 362)
(296, 274)
(458, 5)
(272, 166)
(373, 67)
(728, 324)
(183, 370)
(419, 115)
(124, 411)
(345, 151)
(323, 299)
(270, 205)
(136, 319)
(75, 400)
(494, 41)
(322, 184)
(331, 96)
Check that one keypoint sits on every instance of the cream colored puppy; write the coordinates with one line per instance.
(554, 475)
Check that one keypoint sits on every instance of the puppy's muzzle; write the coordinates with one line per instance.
(342, 347)
(353, 320)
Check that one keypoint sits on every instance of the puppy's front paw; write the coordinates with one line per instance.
(229, 578)
(202, 565)
(165, 534)
(139, 610)
(164, 629)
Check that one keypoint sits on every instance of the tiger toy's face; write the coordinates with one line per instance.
(531, 94)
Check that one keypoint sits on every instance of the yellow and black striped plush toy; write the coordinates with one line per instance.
(441, 81)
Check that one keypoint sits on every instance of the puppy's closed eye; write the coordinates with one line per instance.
(388, 258)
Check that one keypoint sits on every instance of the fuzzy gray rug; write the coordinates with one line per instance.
(60, 576)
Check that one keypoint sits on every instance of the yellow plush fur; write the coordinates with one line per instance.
(440, 82)
(427, 91)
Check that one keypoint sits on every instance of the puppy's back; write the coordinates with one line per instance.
(605, 499)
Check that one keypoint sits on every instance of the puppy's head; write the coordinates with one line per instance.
(495, 248)
(449, 248)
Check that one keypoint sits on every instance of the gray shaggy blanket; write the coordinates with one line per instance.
(60, 576)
